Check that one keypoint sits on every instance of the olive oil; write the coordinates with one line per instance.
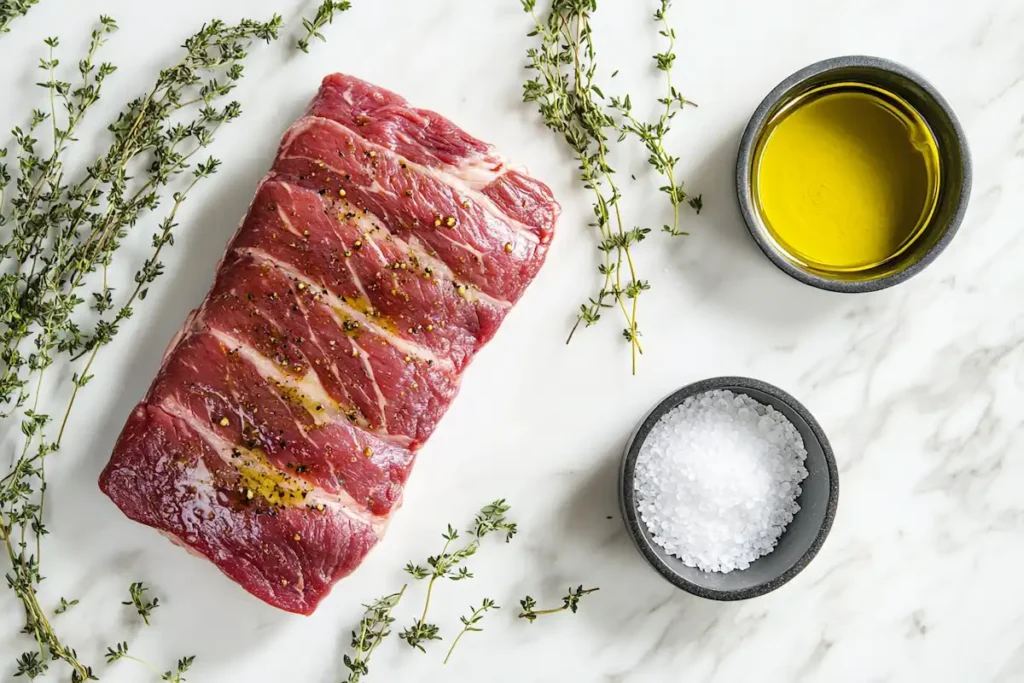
(846, 177)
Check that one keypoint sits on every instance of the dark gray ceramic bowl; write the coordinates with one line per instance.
(954, 160)
(798, 544)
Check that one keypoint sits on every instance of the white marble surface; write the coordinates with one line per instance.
(920, 388)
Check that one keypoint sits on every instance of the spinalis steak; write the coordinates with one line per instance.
(379, 255)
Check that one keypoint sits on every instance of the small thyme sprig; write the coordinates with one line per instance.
(324, 16)
(176, 676)
(470, 623)
(30, 665)
(652, 135)
(65, 605)
(374, 627)
(144, 607)
(441, 566)
(570, 602)
(11, 10)
(490, 519)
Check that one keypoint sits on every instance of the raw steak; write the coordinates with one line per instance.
(379, 255)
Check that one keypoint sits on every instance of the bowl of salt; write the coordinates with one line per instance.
(728, 488)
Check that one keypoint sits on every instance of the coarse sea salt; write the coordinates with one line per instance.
(717, 480)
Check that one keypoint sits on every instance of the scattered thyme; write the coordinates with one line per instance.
(324, 16)
(446, 565)
(374, 627)
(144, 607)
(470, 623)
(570, 602)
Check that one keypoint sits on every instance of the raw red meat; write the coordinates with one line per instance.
(379, 255)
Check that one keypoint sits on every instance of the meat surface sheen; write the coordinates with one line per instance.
(380, 253)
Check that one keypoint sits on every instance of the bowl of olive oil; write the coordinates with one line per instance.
(853, 174)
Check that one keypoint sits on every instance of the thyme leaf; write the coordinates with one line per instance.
(31, 665)
(176, 676)
(64, 606)
(120, 652)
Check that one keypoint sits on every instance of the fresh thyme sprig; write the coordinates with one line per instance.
(470, 623)
(374, 627)
(138, 600)
(65, 605)
(176, 676)
(570, 602)
(446, 565)
(11, 10)
(64, 232)
(36, 208)
(573, 105)
(491, 519)
(324, 16)
(90, 230)
(652, 135)
(151, 269)
(32, 209)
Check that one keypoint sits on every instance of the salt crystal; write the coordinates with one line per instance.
(717, 480)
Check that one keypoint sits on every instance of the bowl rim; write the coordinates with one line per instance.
(746, 151)
(627, 494)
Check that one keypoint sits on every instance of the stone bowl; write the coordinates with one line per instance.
(954, 159)
(801, 540)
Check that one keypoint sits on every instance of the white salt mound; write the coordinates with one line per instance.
(717, 480)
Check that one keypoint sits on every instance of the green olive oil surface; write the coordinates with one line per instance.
(846, 177)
